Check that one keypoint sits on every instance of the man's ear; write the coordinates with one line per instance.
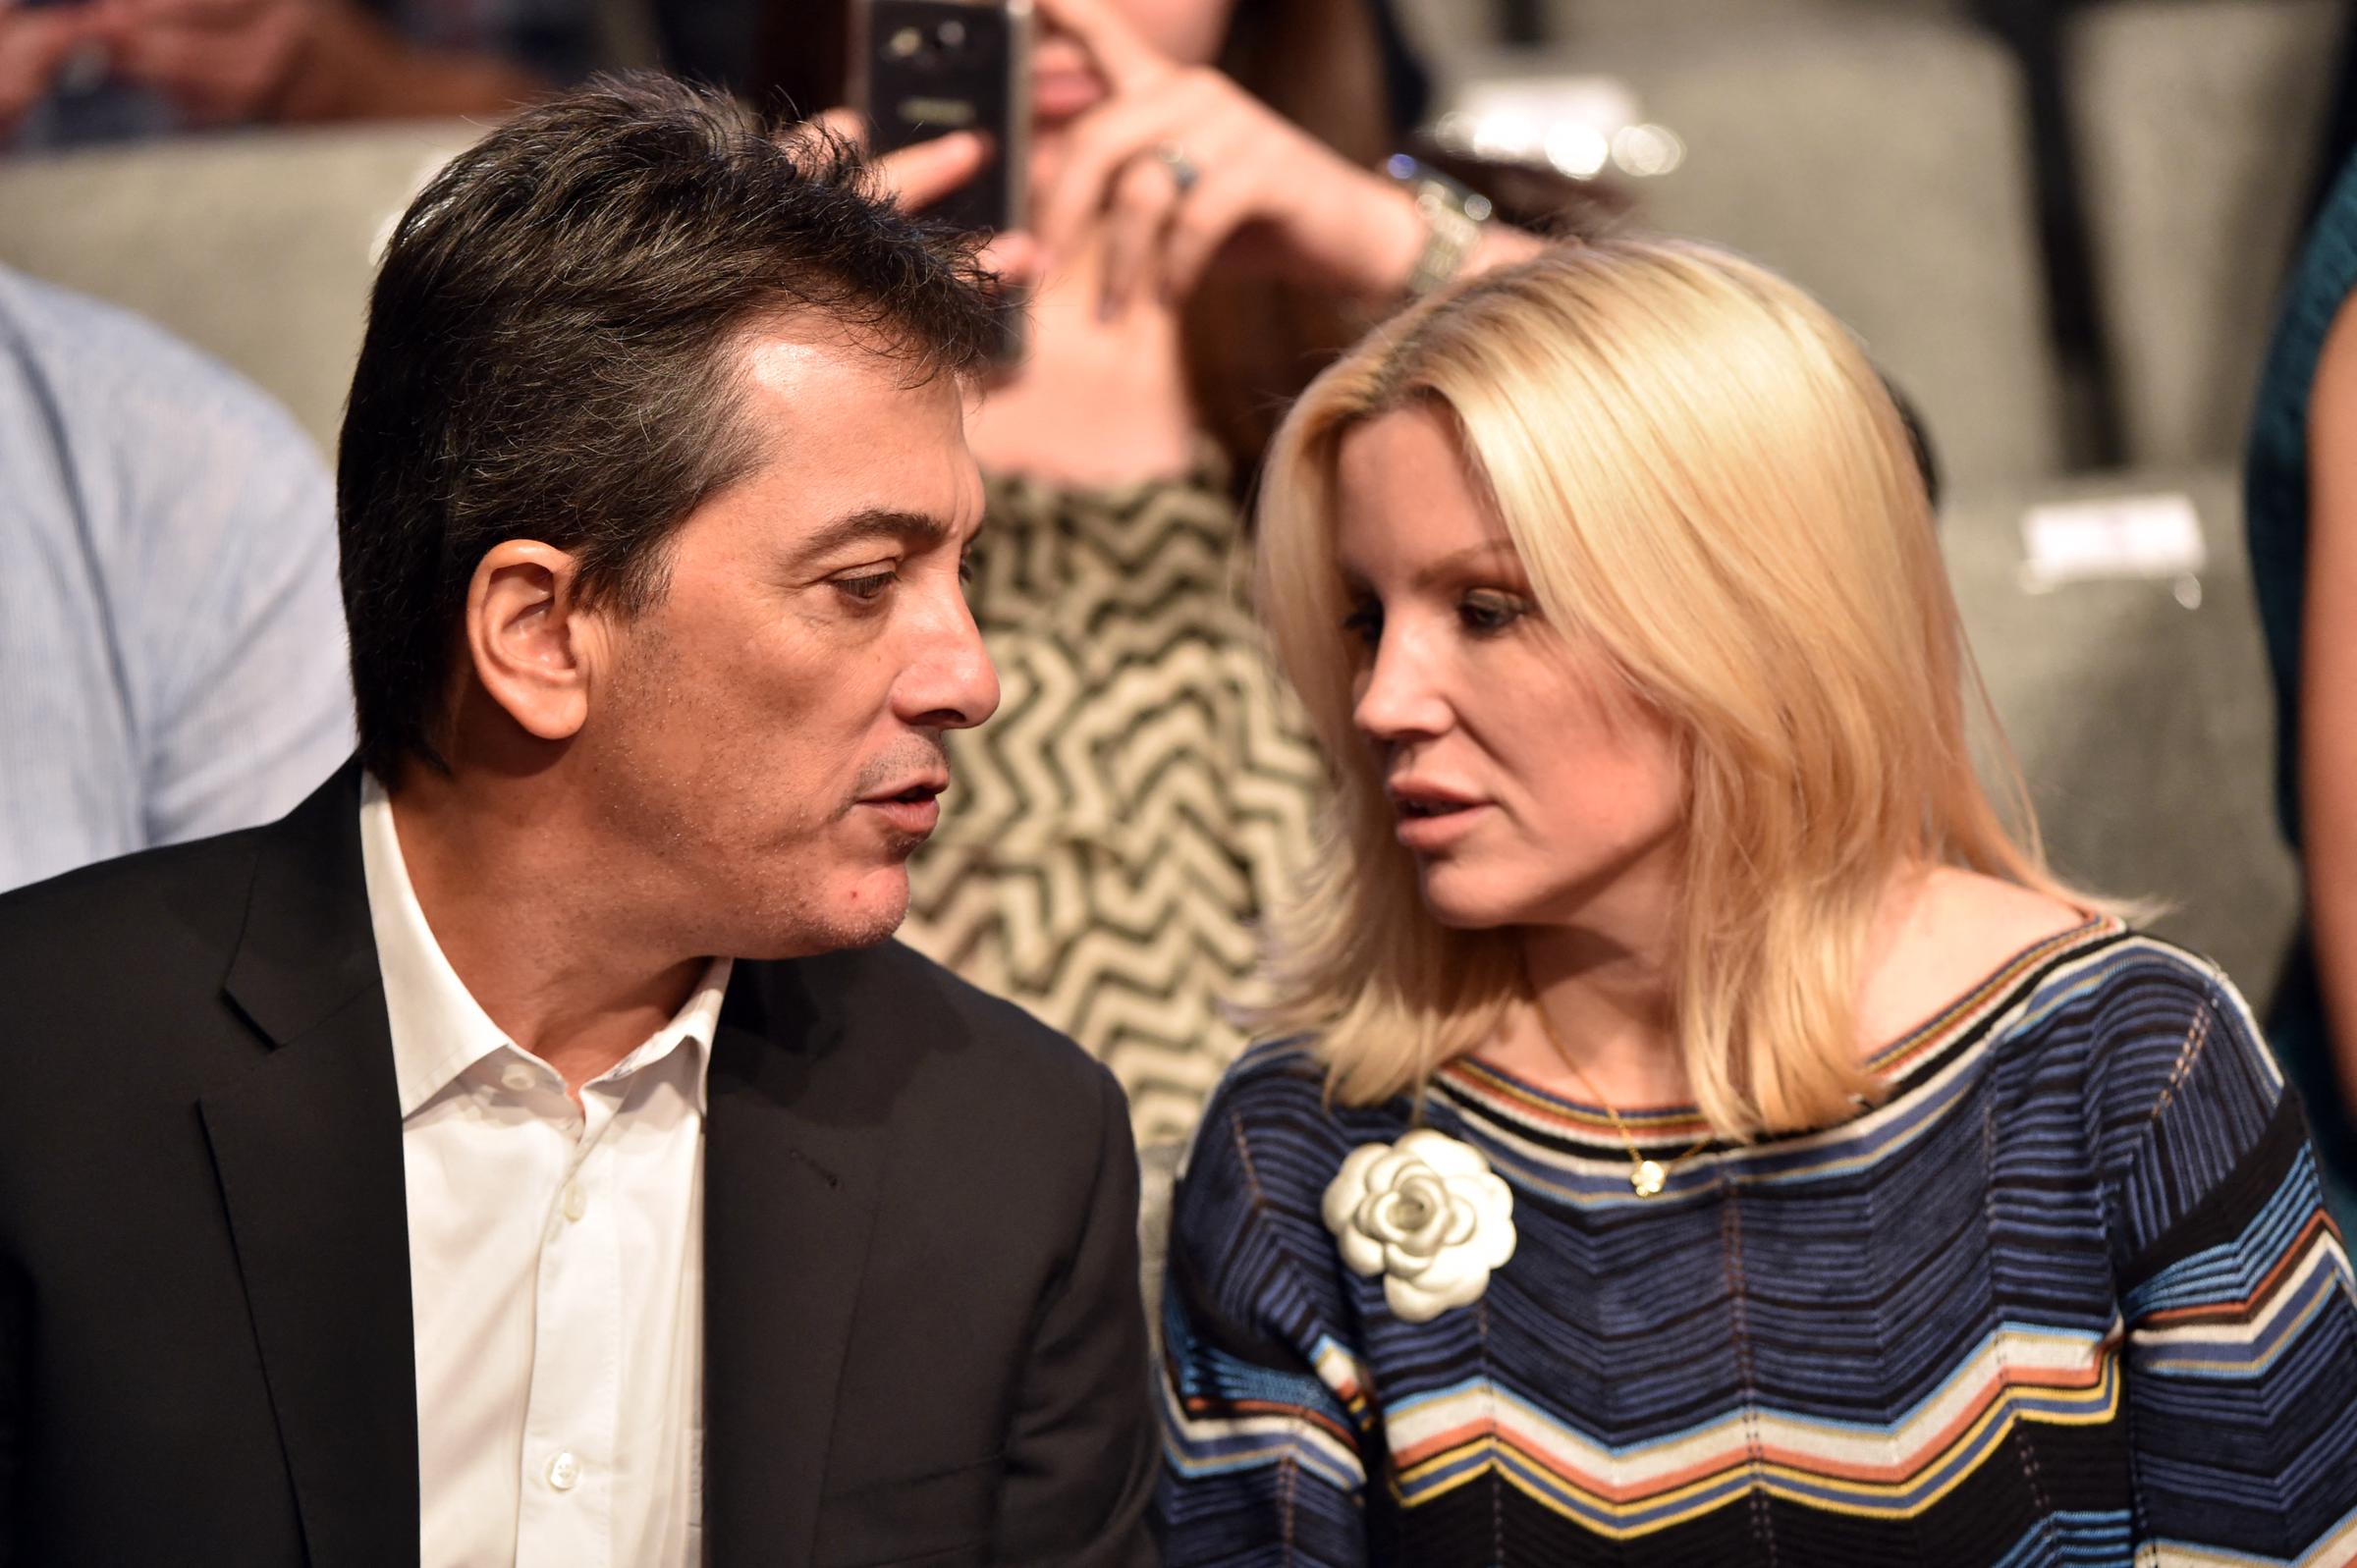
(529, 638)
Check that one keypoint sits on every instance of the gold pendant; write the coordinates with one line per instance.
(1647, 1179)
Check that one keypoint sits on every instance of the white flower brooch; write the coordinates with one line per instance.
(1428, 1215)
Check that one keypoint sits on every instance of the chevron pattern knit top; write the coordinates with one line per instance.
(2068, 1297)
(1143, 793)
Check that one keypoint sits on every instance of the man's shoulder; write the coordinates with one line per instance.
(128, 906)
(124, 959)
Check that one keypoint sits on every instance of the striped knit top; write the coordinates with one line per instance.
(2067, 1297)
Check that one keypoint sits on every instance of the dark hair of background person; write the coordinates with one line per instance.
(2337, 140)
(1339, 69)
(547, 356)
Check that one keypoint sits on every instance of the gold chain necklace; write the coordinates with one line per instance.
(1646, 1177)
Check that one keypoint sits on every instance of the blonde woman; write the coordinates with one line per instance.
(1702, 1134)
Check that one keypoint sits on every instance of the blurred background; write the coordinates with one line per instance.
(2060, 229)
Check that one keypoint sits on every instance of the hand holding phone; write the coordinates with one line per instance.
(1178, 167)
(922, 70)
(917, 176)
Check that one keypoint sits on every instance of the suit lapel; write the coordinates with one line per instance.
(794, 1157)
(307, 1149)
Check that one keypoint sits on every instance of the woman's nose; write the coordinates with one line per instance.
(1398, 696)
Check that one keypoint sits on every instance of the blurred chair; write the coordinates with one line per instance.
(2197, 124)
(1572, 22)
(1439, 29)
(258, 247)
(1882, 164)
(2144, 725)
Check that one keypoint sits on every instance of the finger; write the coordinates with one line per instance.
(33, 48)
(841, 122)
(1125, 57)
(1014, 260)
(814, 140)
(215, 76)
(918, 176)
(1099, 144)
(211, 15)
(1204, 225)
(1144, 198)
(37, 41)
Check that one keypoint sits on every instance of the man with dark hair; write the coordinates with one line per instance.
(531, 1150)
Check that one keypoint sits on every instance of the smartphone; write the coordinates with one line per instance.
(921, 69)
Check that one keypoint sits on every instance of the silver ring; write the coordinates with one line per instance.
(1183, 173)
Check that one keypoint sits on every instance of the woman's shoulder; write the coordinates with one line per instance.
(2041, 977)
(1971, 940)
(2150, 1049)
(1275, 1074)
(1958, 931)
(2121, 982)
(2136, 1029)
(2143, 1006)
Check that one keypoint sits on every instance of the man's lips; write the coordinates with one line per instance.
(914, 809)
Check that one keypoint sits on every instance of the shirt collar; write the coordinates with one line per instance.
(439, 1030)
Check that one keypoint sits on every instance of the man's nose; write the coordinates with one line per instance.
(953, 684)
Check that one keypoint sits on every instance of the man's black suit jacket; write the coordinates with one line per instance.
(923, 1341)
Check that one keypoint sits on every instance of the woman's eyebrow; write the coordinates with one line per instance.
(1456, 561)
(1446, 566)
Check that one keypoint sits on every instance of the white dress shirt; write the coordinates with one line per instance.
(556, 1267)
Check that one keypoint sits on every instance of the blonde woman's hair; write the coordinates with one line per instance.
(1706, 479)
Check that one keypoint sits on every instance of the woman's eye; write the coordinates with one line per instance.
(1366, 621)
(868, 586)
(1486, 611)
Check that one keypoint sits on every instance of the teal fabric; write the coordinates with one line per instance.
(2275, 510)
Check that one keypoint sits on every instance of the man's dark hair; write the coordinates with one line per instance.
(547, 356)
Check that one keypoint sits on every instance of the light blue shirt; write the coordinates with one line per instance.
(172, 652)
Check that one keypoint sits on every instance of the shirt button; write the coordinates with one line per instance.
(564, 1471)
(576, 1201)
(519, 1077)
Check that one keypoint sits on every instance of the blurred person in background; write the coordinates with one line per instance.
(1204, 183)
(80, 71)
(171, 640)
(1697, 1130)
(2300, 502)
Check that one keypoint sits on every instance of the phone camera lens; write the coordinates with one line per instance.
(905, 43)
(952, 34)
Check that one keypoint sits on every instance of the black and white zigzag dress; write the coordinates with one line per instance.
(1144, 792)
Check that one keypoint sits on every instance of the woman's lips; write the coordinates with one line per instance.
(1426, 826)
(1060, 92)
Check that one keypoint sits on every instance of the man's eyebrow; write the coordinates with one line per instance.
(915, 530)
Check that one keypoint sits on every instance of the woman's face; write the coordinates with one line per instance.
(1063, 84)
(1530, 784)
